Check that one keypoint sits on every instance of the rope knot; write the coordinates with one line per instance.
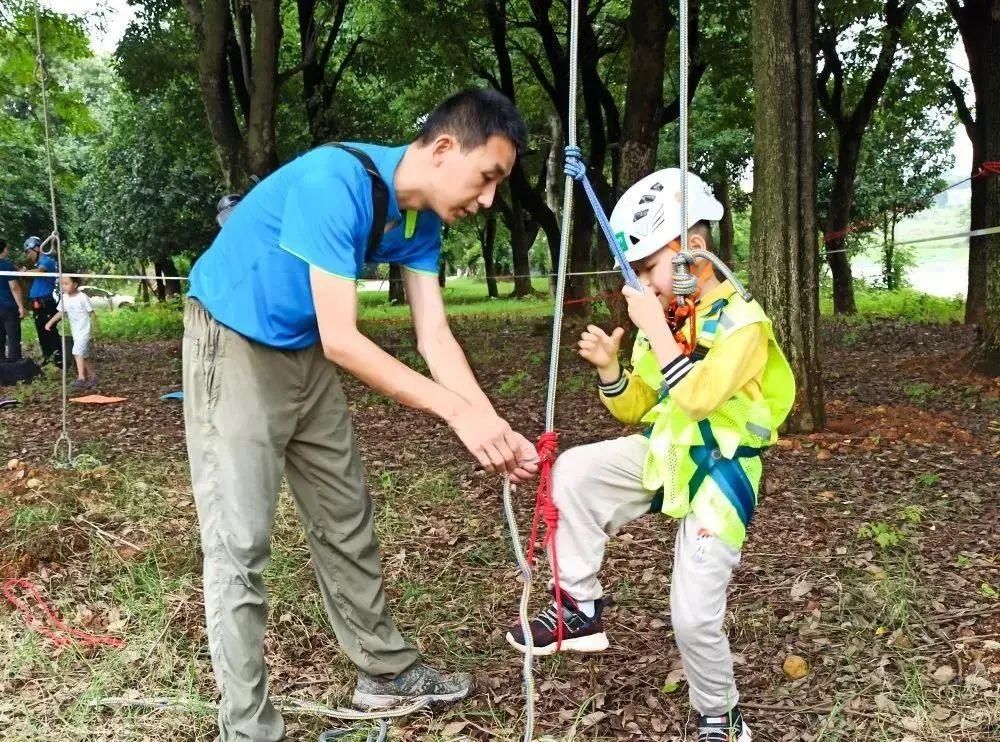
(548, 444)
(573, 164)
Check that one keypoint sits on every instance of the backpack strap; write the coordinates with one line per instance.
(380, 195)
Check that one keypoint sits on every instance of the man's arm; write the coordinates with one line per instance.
(488, 437)
(435, 342)
(15, 289)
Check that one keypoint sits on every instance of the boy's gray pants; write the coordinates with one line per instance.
(251, 413)
(598, 489)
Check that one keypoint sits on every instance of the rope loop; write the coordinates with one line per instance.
(573, 164)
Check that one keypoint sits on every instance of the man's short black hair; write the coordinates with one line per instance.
(3, 244)
(472, 117)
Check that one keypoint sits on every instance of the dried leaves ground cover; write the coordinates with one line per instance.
(866, 607)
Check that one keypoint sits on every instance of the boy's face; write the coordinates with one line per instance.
(658, 271)
(462, 182)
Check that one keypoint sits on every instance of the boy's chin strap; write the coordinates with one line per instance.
(682, 307)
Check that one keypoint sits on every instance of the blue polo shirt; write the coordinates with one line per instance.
(313, 211)
(6, 295)
(42, 288)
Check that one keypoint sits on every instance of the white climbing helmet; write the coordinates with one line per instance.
(648, 215)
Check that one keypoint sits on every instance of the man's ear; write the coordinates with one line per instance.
(442, 146)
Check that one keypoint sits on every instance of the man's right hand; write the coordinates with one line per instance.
(493, 442)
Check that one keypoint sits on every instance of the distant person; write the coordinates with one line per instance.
(43, 303)
(75, 306)
(11, 309)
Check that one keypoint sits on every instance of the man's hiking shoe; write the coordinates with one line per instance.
(580, 633)
(728, 728)
(419, 683)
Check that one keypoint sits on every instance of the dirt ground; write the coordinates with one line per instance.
(874, 556)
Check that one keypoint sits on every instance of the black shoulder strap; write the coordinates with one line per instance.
(380, 195)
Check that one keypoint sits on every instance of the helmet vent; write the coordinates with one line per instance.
(656, 187)
(640, 214)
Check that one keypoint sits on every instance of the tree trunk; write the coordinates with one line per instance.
(554, 166)
(442, 271)
(397, 289)
(521, 239)
(165, 267)
(783, 255)
(979, 25)
(257, 74)
(727, 233)
(488, 237)
(841, 201)
(975, 297)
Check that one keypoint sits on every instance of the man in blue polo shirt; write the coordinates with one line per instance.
(271, 313)
(11, 309)
(43, 302)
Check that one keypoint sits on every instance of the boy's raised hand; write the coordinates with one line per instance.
(601, 349)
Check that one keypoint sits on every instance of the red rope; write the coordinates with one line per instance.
(992, 167)
(9, 591)
(545, 509)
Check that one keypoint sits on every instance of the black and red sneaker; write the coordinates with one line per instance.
(581, 633)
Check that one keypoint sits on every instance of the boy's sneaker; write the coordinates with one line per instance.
(79, 384)
(581, 633)
(418, 683)
(728, 728)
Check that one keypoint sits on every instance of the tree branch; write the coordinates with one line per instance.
(331, 87)
(962, 108)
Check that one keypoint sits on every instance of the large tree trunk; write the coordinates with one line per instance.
(783, 255)
(979, 24)
(253, 71)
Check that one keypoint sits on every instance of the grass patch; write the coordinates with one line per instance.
(907, 305)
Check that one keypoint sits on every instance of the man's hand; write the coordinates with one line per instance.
(21, 312)
(494, 444)
(601, 350)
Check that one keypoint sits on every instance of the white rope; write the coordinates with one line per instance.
(683, 29)
(41, 75)
(527, 670)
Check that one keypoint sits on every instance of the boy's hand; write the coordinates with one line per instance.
(645, 310)
(601, 349)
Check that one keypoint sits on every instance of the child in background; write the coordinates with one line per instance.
(76, 307)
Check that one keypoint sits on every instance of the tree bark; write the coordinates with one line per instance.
(783, 254)
(979, 25)
(253, 71)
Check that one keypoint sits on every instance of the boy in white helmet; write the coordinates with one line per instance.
(708, 411)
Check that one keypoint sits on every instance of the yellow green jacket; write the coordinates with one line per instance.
(709, 413)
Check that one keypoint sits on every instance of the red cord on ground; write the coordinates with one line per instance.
(545, 509)
(68, 635)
